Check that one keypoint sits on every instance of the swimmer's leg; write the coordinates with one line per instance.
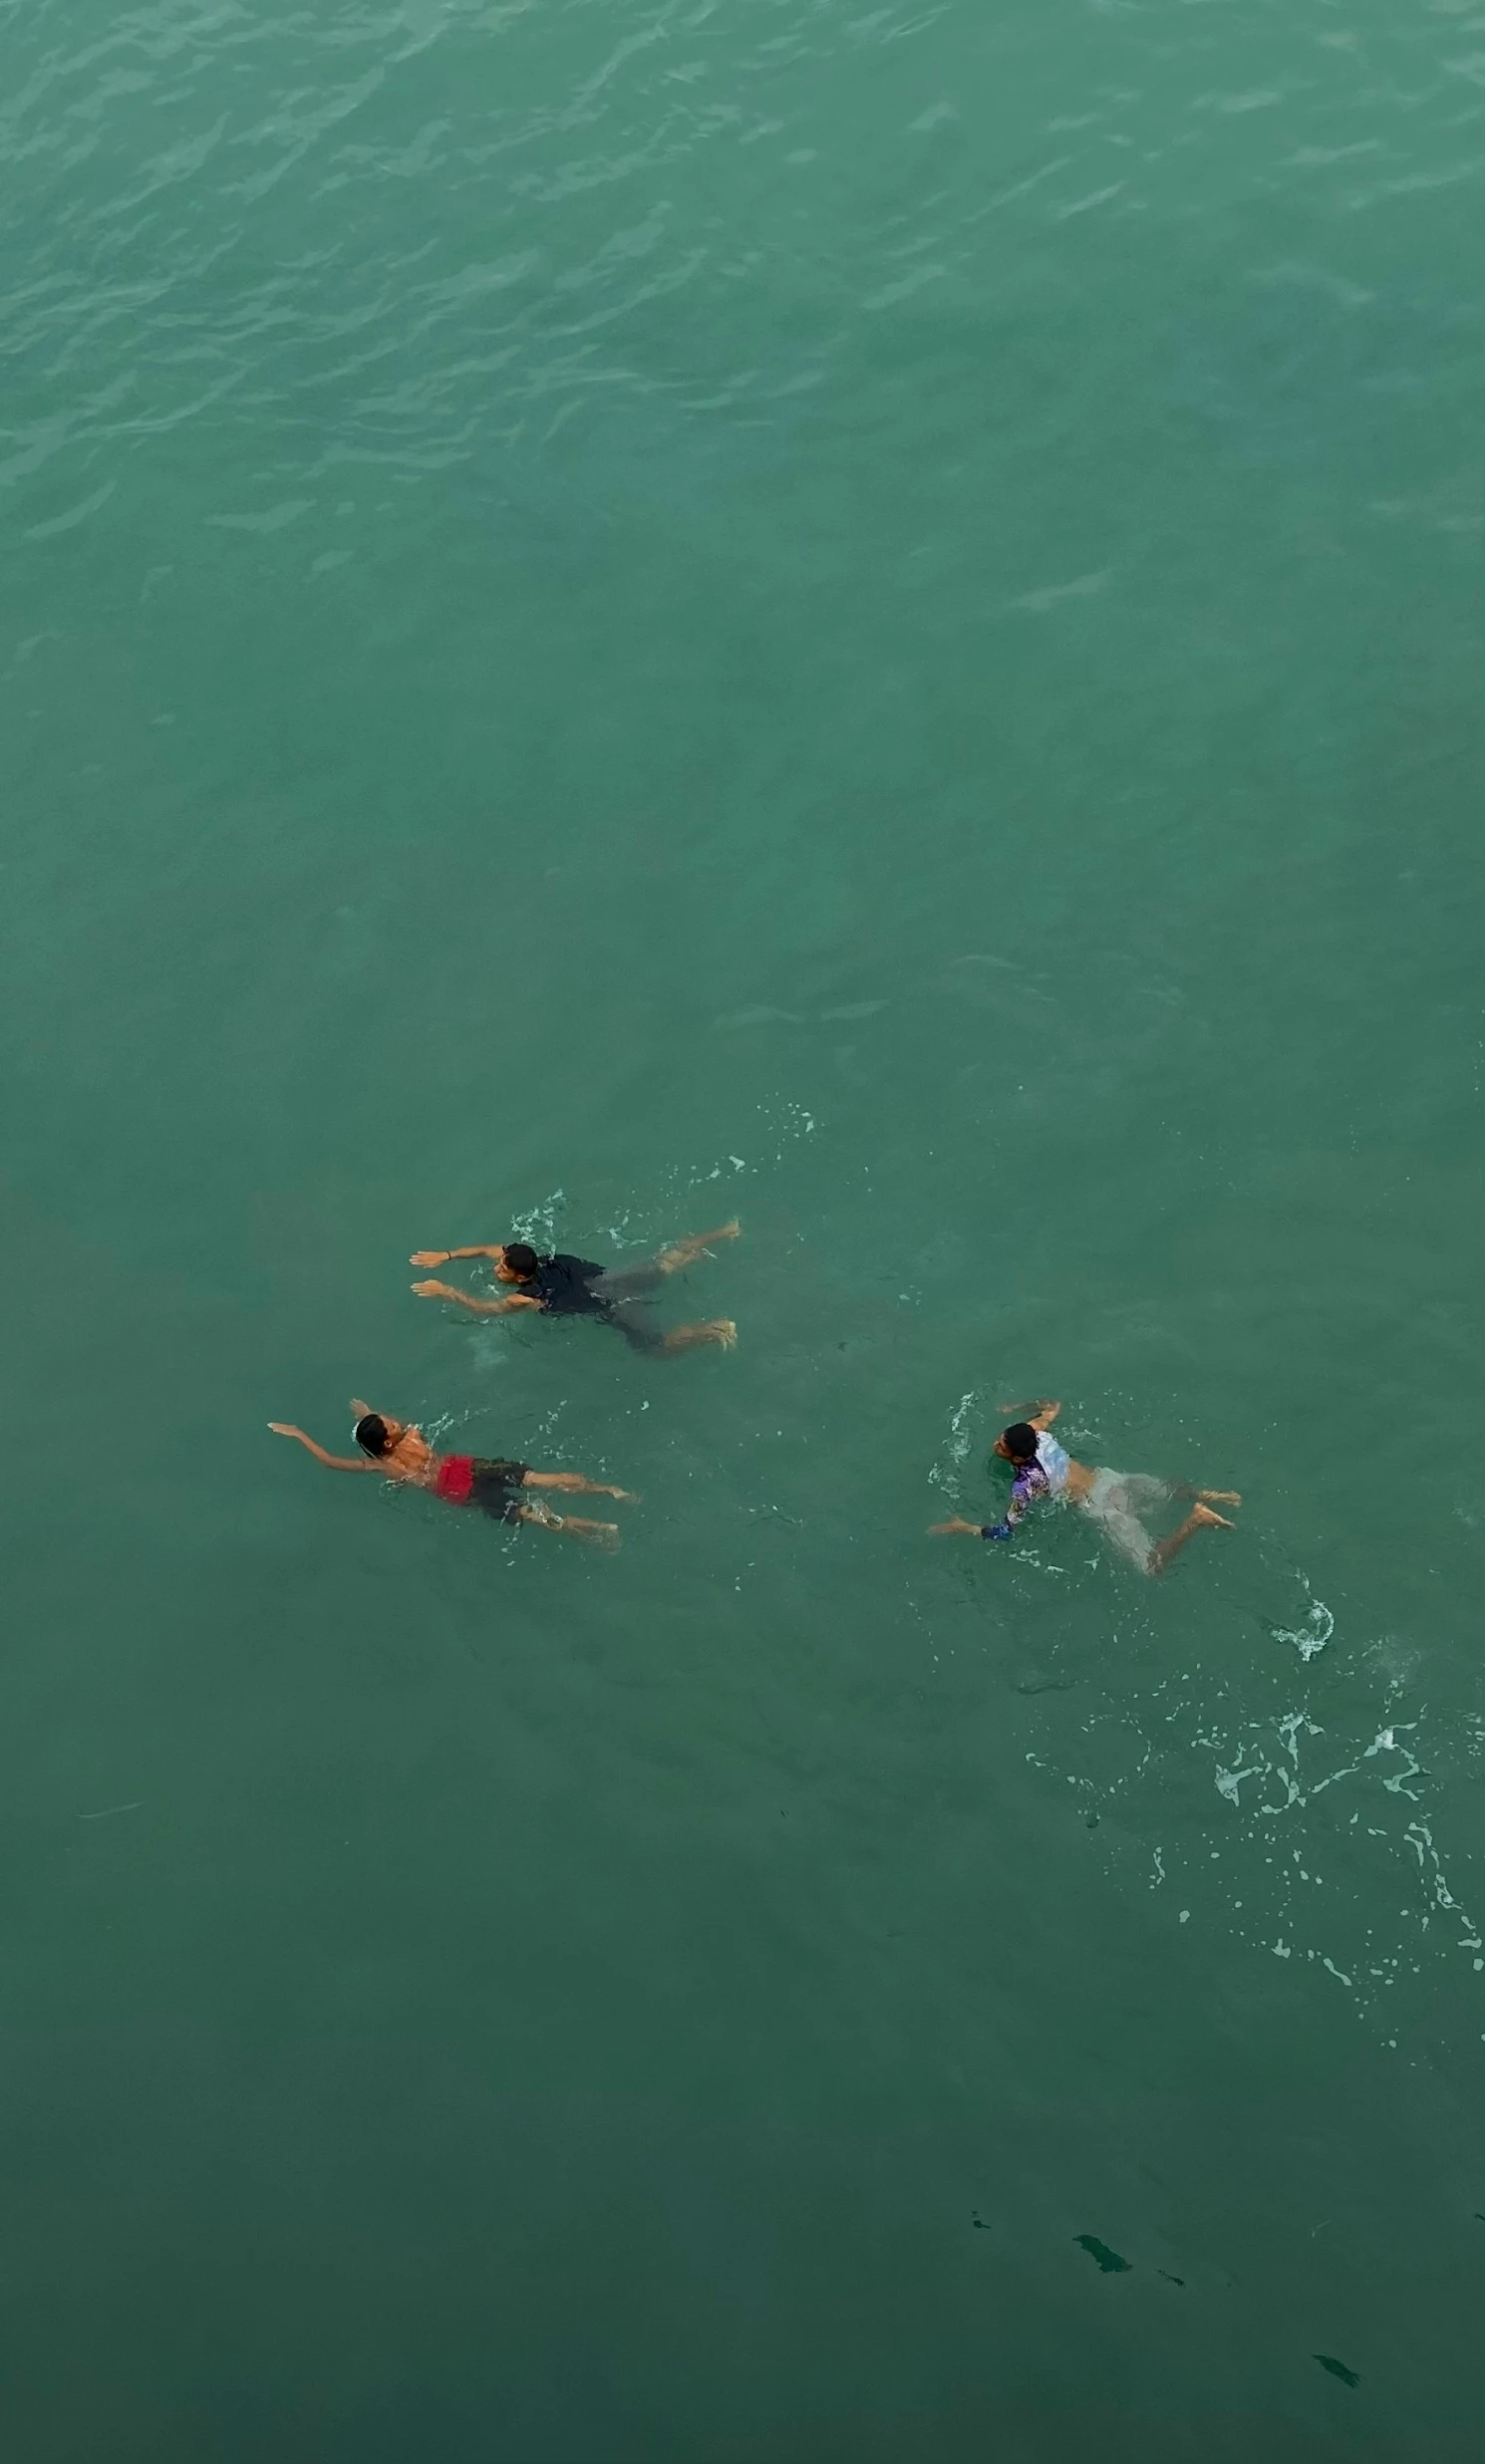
(593, 1534)
(696, 1245)
(638, 1327)
(718, 1330)
(1200, 1519)
(640, 1331)
(627, 1283)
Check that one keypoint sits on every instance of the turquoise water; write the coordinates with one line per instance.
(619, 614)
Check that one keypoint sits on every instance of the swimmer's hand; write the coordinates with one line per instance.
(332, 1463)
(942, 1530)
(432, 1291)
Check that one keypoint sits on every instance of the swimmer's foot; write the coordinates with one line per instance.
(718, 1330)
(606, 1535)
(1220, 1497)
(696, 1245)
(1199, 1518)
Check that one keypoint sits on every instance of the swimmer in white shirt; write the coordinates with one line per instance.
(1113, 1500)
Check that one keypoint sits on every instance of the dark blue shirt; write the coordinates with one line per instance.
(562, 1285)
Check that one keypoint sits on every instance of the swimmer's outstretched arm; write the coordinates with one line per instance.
(1028, 1486)
(1042, 1418)
(332, 1463)
(466, 1300)
(441, 1257)
(578, 1486)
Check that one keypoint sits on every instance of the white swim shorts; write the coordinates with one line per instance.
(1115, 1502)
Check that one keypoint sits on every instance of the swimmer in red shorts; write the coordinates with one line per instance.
(402, 1453)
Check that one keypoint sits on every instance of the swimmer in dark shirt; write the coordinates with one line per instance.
(564, 1286)
(402, 1453)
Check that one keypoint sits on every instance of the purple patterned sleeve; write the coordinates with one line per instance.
(1027, 1486)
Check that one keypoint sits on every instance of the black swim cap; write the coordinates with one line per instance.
(371, 1433)
(520, 1257)
(1019, 1441)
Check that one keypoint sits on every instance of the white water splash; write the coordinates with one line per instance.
(1292, 1878)
(946, 1474)
(776, 1128)
(1310, 1637)
(539, 1224)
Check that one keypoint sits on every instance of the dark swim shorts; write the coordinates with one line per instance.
(493, 1489)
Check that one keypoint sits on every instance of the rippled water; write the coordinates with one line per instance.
(615, 615)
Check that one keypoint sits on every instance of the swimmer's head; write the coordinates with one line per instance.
(373, 1437)
(517, 1262)
(1017, 1444)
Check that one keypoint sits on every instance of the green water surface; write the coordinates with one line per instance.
(616, 613)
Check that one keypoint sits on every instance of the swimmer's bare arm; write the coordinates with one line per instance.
(466, 1300)
(442, 1257)
(578, 1484)
(1042, 1417)
(333, 1463)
